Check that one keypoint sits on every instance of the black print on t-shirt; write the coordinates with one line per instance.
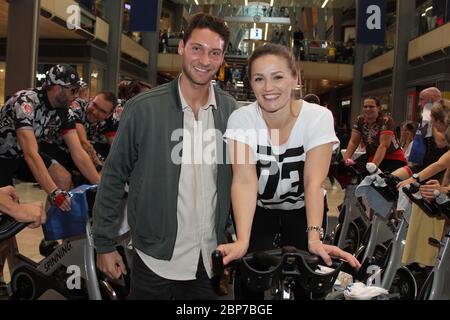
(287, 167)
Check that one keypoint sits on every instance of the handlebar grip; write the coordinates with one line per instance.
(10, 227)
(217, 262)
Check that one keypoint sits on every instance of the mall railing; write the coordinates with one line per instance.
(431, 15)
(324, 51)
(376, 51)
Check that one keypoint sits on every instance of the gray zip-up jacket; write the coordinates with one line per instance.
(141, 154)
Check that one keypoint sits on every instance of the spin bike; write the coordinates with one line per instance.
(69, 272)
(381, 194)
(437, 284)
(279, 270)
(353, 221)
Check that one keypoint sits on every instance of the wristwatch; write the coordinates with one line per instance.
(316, 229)
(416, 177)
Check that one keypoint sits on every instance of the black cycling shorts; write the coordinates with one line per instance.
(59, 155)
(18, 168)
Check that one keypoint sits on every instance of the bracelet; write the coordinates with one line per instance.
(316, 229)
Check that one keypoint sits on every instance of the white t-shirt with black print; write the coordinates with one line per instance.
(280, 167)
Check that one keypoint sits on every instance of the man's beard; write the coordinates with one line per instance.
(62, 101)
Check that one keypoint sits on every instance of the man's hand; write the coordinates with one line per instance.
(60, 199)
(111, 264)
(11, 192)
(32, 212)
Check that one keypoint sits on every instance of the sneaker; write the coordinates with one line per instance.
(3, 291)
(47, 247)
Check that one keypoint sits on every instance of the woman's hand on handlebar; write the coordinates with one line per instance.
(325, 251)
(427, 189)
(405, 182)
(349, 162)
(233, 251)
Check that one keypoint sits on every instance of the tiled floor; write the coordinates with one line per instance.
(28, 240)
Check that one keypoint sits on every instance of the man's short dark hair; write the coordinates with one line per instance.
(110, 97)
(206, 21)
(312, 98)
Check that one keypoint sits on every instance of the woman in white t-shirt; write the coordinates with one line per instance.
(281, 151)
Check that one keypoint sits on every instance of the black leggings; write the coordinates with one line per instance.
(391, 165)
(268, 225)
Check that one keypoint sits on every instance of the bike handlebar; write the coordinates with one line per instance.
(430, 208)
(260, 270)
(10, 227)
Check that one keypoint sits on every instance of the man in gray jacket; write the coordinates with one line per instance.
(168, 147)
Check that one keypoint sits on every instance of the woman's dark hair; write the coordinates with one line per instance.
(411, 126)
(206, 21)
(129, 88)
(276, 50)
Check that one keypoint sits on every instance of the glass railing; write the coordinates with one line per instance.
(431, 15)
(263, 11)
(376, 51)
(168, 42)
(307, 50)
(324, 51)
(95, 7)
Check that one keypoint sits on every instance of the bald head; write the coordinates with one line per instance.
(429, 95)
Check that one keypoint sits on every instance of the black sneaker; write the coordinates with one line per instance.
(3, 291)
(47, 247)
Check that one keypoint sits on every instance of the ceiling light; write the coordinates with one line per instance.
(290, 28)
(324, 4)
(265, 32)
(428, 9)
(246, 2)
(271, 3)
(196, 2)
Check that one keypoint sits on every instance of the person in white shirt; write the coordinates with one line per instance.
(280, 151)
(407, 131)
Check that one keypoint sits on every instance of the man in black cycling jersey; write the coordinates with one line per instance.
(97, 122)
